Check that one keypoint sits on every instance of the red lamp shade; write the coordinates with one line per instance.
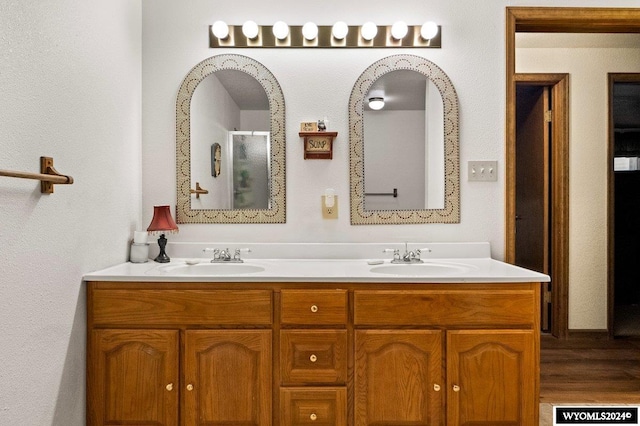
(162, 220)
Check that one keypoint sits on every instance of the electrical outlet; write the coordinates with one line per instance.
(330, 212)
(483, 171)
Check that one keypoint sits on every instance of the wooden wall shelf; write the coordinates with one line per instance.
(318, 145)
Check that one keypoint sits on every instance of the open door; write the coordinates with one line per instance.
(540, 189)
(541, 20)
(533, 131)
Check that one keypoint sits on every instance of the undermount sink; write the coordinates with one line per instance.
(422, 269)
(206, 269)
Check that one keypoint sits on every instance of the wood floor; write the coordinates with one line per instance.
(589, 371)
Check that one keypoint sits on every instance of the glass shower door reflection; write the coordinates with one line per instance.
(250, 152)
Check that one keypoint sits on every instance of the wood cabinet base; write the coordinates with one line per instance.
(288, 354)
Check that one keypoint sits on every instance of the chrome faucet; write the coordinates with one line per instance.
(224, 255)
(408, 257)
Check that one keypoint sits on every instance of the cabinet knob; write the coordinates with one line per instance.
(169, 387)
(313, 358)
(189, 387)
(456, 388)
(436, 387)
(314, 308)
(313, 417)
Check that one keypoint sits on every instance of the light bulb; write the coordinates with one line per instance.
(340, 30)
(310, 30)
(280, 30)
(250, 29)
(220, 29)
(368, 31)
(429, 30)
(376, 103)
(399, 30)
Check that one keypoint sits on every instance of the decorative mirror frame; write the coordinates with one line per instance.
(451, 211)
(184, 212)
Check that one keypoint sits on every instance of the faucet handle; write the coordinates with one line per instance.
(216, 253)
(396, 252)
(420, 251)
(236, 255)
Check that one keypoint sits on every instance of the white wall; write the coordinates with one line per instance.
(70, 88)
(317, 84)
(588, 167)
(395, 149)
(213, 114)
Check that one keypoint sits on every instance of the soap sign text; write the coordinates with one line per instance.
(318, 144)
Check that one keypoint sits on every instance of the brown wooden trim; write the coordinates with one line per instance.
(510, 138)
(559, 185)
(588, 334)
(576, 19)
(550, 19)
(560, 208)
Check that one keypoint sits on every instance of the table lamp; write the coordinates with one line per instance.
(161, 223)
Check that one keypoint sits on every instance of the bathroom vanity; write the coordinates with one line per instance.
(317, 342)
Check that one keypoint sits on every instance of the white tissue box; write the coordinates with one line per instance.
(625, 163)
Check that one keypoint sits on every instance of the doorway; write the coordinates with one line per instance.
(541, 141)
(624, 203)
(552, 19)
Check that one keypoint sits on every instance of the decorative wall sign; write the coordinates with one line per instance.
(318, 145)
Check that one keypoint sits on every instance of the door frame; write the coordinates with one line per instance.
(552, 19)
(558, 187)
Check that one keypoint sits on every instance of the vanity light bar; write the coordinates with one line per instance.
(325, 37)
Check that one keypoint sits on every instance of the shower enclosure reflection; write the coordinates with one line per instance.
(249, 170)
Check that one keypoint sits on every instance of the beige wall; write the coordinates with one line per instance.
(588, 139)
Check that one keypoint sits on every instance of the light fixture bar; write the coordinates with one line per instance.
(325, 39)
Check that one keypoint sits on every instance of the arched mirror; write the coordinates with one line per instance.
(404, 144)
(230, 143)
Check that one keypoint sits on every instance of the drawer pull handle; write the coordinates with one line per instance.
(314, 308)
(313, 417)
(169, 387)
(436, 387)
(189, 387)
(456, 388)
(313, 358)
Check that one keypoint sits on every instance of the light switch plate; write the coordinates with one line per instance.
(483, 171)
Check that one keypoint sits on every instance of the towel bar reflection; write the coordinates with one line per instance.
(199, 190)
(48, 176)
(393, 194)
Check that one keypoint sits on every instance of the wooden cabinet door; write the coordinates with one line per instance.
(228, 378)
(133, 377)
(492, 378)
(398, 377)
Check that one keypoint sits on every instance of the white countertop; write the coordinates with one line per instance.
(445, 263)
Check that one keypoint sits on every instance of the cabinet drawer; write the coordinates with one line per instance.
(318, 357)
(468, 308)
(314, 307)
(180, 307)
(313, 406)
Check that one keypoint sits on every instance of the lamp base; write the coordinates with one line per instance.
(162, 256)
